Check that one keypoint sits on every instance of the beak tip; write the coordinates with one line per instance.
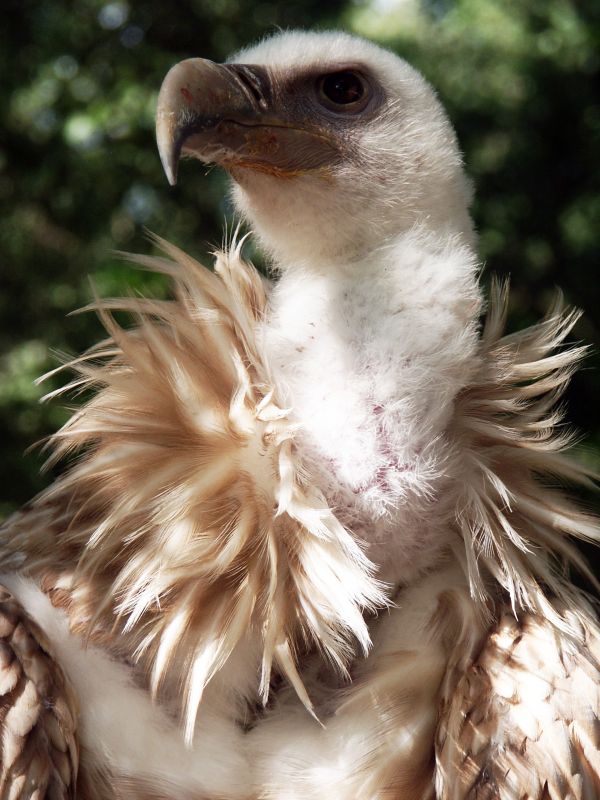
(169, 158)
(171, 175)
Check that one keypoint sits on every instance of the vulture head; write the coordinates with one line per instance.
(334, 144)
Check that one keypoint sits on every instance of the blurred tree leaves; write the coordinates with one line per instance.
(80, 177)
(79, 174)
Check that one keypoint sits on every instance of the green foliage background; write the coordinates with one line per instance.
(80, 177)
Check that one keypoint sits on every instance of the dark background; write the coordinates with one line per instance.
(80, 177)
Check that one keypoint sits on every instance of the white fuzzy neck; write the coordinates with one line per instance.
(327, 226)
(372, 355)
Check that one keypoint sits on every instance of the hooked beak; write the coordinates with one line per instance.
(229, 114)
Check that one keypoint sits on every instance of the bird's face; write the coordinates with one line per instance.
(334, 144)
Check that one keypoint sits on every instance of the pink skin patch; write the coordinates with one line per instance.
(380, 479)
(186, 94)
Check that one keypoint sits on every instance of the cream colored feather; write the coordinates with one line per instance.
(189, 514)
(516, 524)
(170, 516)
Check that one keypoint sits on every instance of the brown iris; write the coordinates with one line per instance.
(343, 91)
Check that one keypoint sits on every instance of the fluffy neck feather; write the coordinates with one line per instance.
(190, 515)
(373, 354)
(516, 526)
(165, 518)
(338, 223)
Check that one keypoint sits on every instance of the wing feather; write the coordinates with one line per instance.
(38, 751)
(523, 720)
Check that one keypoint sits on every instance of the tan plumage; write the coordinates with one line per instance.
(186, 407)
(142, 423)
(512, 517)
(522, 720)
(39, 753)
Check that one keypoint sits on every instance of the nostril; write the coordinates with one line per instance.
(254, 81)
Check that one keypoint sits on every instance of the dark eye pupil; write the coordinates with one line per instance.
(342, 88)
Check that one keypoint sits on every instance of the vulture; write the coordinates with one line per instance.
(313, 538)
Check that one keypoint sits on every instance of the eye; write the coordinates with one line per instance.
(344, 92)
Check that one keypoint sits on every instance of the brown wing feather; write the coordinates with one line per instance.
(523, 720)
(39, 754)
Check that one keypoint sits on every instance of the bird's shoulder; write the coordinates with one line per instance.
(38, 711)
(522, 721)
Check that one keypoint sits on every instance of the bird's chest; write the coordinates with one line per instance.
(348, 378)
(339, 390)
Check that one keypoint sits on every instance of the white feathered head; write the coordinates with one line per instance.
(334, 144)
